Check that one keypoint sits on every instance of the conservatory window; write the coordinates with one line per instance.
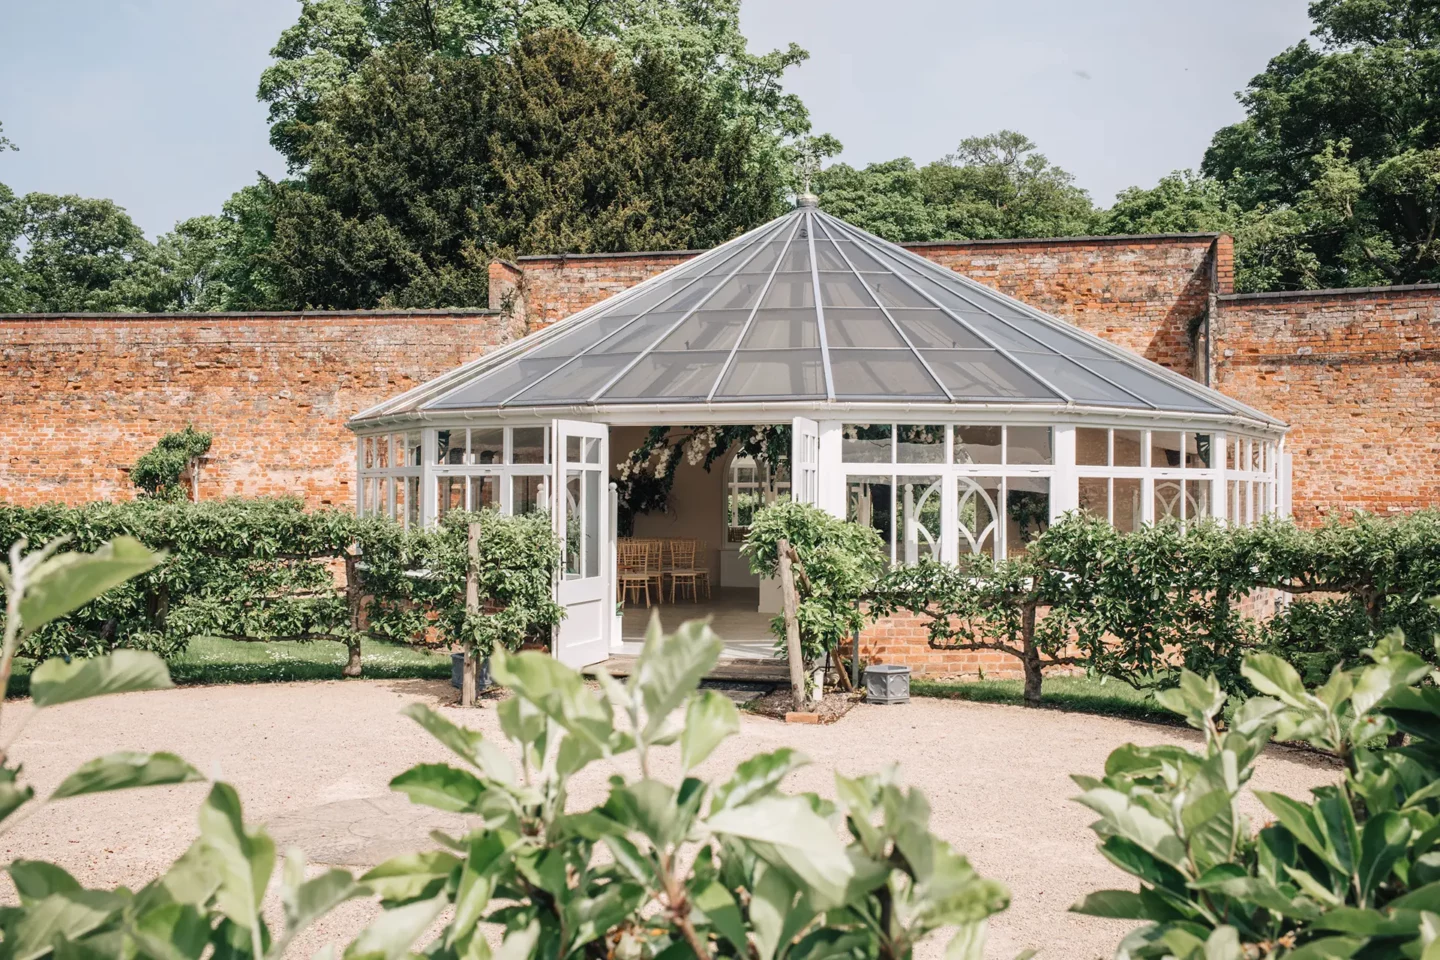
(749, 485)
(390, 472)
(469, 468)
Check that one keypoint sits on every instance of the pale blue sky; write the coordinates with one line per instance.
(152, 102)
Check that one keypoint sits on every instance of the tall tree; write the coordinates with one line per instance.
(421, 169)
(998, 185)
(80, 255)
(1341, 144)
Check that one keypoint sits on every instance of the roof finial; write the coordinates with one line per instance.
(807, 164)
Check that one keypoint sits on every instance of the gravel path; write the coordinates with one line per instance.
(313, 760)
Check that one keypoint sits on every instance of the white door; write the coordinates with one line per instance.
(582, 505)
(805, 461)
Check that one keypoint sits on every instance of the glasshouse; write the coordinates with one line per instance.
(813, 360)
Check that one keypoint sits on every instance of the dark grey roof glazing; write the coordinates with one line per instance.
(810, 308)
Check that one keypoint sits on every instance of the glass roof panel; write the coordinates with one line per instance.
(782, 329)
(986, 314)
(577, 381)
(790, 290)
(791, 374)
(894, 292)
(859, 327)
(687, 375)
(1161, 392)
(707, 330)
(844, 290)
(986, 375)
(934, 329)
(880, 373)
(494, 387)
(738, 293)
(765, 262)
(860, 258)
(1079, 384)
(797, 256)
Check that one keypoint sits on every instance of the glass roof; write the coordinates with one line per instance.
(809, 308)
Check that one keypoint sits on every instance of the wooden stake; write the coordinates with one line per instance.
(791, 601)
(468, 674)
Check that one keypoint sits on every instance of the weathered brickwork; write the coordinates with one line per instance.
(83, 397)
(1356, 373)
(548, 289)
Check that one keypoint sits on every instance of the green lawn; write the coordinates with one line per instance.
(209, 660)
(1084, 694)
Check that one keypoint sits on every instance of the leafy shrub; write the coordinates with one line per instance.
(158, 471)
(1353, 872)
(842, 562)
(772, 878)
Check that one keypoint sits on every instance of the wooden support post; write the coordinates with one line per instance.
(469, 673)
(791, 602)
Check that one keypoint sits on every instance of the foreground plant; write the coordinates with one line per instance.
(1353, 872)
(660, 868)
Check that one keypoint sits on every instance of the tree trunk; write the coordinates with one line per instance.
(1034, 675)
(353, 602)
(468, 674)
(791, 603)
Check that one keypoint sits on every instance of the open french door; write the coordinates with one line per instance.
(805, 461)
(585, 583)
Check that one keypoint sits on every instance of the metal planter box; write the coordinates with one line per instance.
(457, 673)
(887, 683)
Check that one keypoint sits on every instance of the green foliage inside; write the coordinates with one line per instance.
(1349, 873)
(840, 562)
(663, 867)
(159, 469)
(266, 570)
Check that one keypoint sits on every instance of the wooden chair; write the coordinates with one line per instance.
(655, 566)
(684, 572)
(632, 572)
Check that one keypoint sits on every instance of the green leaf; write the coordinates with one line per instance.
(36, 880)
(124, 671)
(787, 833)
(1276, 678)
(13, 794)
(1114, 904)
(559, 693)
(175, 931)
(771, 902)
(65, 581)
(1327, 948)
(66, 914)
(710, 717)
(244, 858)
(1197, 698)
(758, 776)
(1382, 843)
(441, 786)
(1300, 821)
(392, 934)
(469, 745)
(306, 901)
(411, 876)
(126, 769)
(669, 669)
(486, 860)
(720, 909)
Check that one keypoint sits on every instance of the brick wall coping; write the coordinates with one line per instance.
(1331, 293)
(246, 314)
(1115, 239)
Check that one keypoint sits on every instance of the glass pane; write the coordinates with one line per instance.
(413, 455)
(1234, 505)
(450, 446)
(1070, 378)
(1095, 496)
(843, 290)
(1164, 450)
(592, 450)
(866, 443)
(485, 492)
(1133, 377)
(1092, 446)
(893, 292)
(368, 503)
(1126, 447)
(933, 329)
(920, 444)
(707, 330)
(1197, 499)
(1029, 445)
(868, 503)
(738, 294)
(782, 330)
(591, 521)
(1167, 499)
(1027, 511)
(858, 327)
(572, 449)
(498, 384)
(450, 495)
(385, 502)
(578, 380)
(525, 495)
(977, 444)
(382, 451)
(797, 255)
(487, 444)
(918, 501)
(367, 453)
(527, 445)
(979, 506)
(1231, 443)
(670, 376)
(765, 262)
(986, 375)
(412, 500)
(790, 290)
(574, 539)
(1198, 450)
(1126, 506)
(882, 374)
(775, 373)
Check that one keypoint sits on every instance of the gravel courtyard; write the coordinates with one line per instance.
(313, 759)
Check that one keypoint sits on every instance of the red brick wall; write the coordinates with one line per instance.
(82, 397)
(1356, 374)
(1144, 293)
